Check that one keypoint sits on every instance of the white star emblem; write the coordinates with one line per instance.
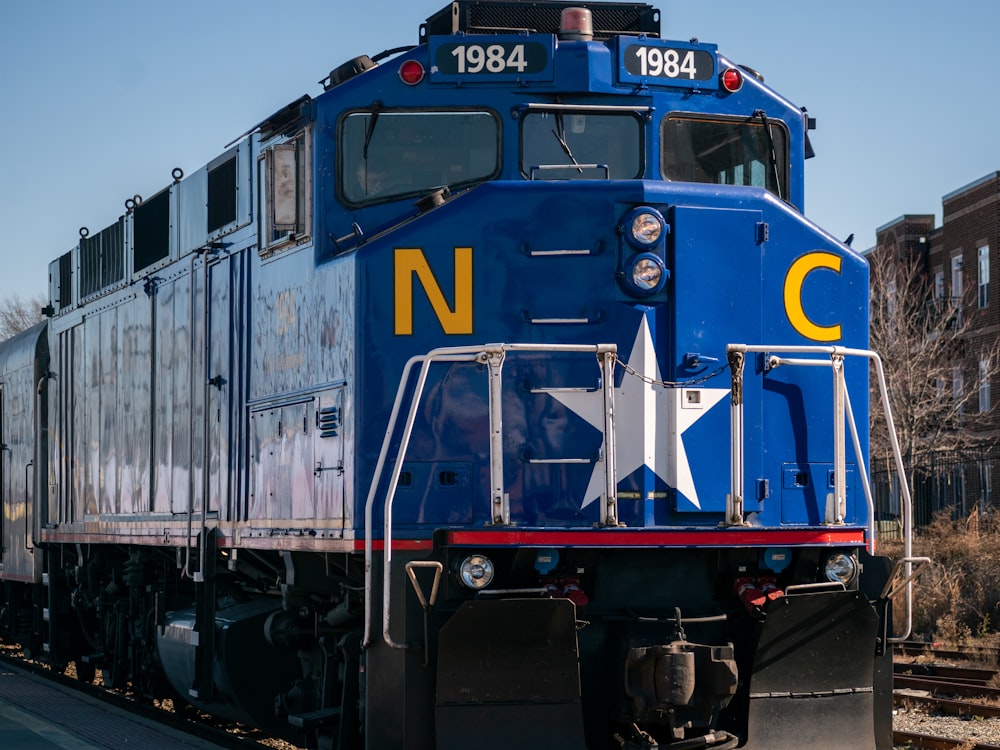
(651, 420)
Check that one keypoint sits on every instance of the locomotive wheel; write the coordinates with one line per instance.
(85, 671)
(58, 666)
(114, 663)
(114, 677)
(25, 634)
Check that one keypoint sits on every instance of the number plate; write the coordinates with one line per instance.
(492, 58)
(673, 62)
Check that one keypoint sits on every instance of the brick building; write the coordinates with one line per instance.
(959, 261)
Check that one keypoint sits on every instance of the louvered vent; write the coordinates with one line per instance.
(151, 231)
(476, 17)
(102, 259)
(65, 280)
(222, 195)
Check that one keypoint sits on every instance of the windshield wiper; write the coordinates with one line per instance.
(370, 130)
(560, 134)
(770, 144)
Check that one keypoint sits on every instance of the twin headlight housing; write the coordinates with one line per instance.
(644, 272)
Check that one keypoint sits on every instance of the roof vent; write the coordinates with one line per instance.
(348, 70)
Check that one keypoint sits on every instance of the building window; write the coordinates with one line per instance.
(890, 298)
(957, 290)
(984, 385)
(984, 276)
(987, 484)
(956, 278)
(957, 386)
(939, 284)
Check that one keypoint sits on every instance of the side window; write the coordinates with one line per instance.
(286, 193)
(392, 154)
(726, 152)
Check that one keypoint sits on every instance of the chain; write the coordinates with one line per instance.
(673, 383)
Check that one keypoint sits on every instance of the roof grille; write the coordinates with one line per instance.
(513, 16)
(151, 231)
(102, 258)
(222, 195)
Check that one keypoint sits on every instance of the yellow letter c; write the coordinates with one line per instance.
(794, 281)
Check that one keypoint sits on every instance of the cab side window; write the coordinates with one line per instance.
(285, 176)
(748, 151)
(391, 154)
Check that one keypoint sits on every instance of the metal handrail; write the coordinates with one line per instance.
(842, 406)
(491, 355)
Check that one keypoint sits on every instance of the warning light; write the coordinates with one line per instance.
(732, 80)
(576, 24)
(411, 72)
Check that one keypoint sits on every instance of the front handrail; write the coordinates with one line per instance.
(491, 355)
(904, 572)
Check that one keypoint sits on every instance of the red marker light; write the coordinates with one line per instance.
(732, 80)
(411, 72)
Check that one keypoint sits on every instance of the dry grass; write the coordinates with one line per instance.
(956, 598)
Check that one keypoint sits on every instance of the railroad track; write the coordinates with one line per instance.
(950, 682)
(944, 689)
(916, 740)
(950, 706)
(968, 675)
(986, 654)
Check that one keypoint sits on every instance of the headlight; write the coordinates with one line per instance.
(646, 228)
(475, 572)
(841, 568)
(643, 227)
(645, 274)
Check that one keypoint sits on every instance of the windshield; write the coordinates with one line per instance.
(726, 152)
(568, 145)
(391, 154)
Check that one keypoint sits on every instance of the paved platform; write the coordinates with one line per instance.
(38, 715)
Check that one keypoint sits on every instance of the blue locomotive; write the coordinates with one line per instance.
(498, 396)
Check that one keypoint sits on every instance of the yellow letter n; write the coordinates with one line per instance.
(410, 262)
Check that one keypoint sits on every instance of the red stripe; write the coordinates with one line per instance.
(736, 537)
(658, 538)
(408, 544)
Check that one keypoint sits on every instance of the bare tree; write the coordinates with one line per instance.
(19, 313)
(934, 356)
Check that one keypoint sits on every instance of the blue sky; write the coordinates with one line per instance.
(100, 99)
